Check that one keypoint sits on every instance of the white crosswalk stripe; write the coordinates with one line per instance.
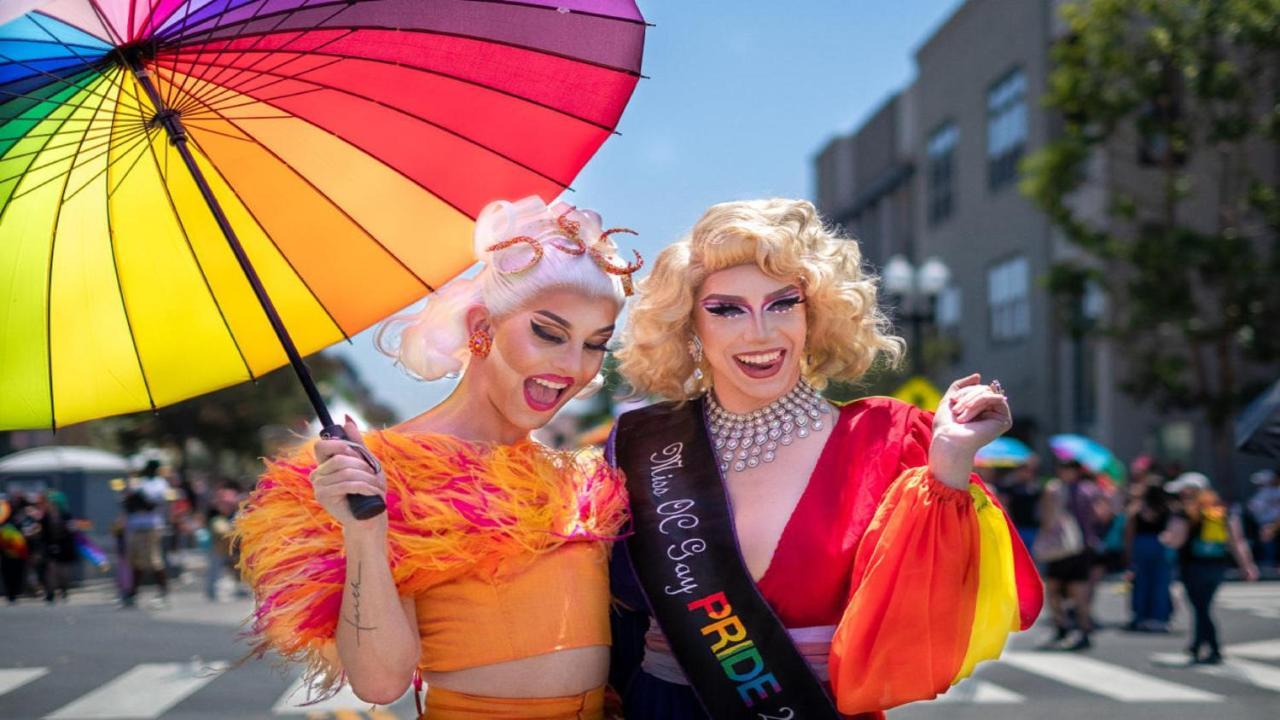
(1259, 650)
(12, 679)
(1246, 671)
(146, 691)
(1113, 681)
(1260, 600)
(150, 690)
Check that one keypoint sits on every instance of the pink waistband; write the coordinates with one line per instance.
(814, 643)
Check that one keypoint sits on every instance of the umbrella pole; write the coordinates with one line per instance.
(362, 506)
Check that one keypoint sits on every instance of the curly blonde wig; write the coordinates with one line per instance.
(786, 240)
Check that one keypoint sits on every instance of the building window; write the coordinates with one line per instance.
(1008, 299)
(942, 153)
(1006, 128)
(948, 309)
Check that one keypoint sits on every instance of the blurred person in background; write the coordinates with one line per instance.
(1150, 569)
(1206, 538)
(1020, 491)
(1074, 513)
(223, 505)
(13, 549)
(1264, 512)
(57, 538)
(145, 505)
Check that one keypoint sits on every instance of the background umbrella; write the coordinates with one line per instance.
(1089, 453)
(1258, 427)
(1003, 452)
(194, 192)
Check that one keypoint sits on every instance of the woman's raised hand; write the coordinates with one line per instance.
(970, 415)
(342, 471)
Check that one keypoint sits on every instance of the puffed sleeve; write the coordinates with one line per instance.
(940, 579)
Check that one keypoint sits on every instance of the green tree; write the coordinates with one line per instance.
(1182, 96)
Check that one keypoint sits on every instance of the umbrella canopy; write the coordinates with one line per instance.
(1258, 427)
(1003, 452)
(1089, 453)
(348, 144)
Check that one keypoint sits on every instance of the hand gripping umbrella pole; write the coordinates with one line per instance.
(362, 506)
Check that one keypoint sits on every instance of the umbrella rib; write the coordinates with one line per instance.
(99, 153)
(187, 16)
(124, 304)
(107, 41)
(87, 61)
(49, 163)
(182, 227)
(252, 17)
(129, 141)
(331, 201)
(423, 31)
(586, 13)
(55, 78)
(48, 310)
(216, 78)
(55, 42)
(425, 121)
(4, 209)
(283, 255)
(9, 201)
(221, 84)
(437, 73)
(102, 18)
(178, 91)
(193, 111)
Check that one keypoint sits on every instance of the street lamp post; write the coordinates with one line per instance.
(915, 290)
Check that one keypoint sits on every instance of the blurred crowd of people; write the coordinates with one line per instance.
(1163, 525)
(40, 544)
(162, 519)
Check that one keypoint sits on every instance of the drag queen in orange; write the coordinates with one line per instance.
(790, 558)
(487, 575)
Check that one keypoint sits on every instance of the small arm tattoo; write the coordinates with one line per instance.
(354, 621)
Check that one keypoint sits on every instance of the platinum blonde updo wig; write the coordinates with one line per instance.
(786, 240)
(526, 249)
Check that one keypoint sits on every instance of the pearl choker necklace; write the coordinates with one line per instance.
(745, 441)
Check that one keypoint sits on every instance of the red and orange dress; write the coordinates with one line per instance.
(892, 584)
(503, 548)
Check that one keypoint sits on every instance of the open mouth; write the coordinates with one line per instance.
(544, 392)
(761, 364)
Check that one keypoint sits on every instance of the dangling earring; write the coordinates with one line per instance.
(480, 343)
(695, 350)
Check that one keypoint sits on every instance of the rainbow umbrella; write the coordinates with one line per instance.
(195, 192)
(1003, 452)
(1089, 453)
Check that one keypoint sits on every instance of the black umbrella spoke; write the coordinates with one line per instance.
(195, 260)
(217, 78)
(266, 78)
(94, 134)
(127, 142)
(426, 121)
(284, 17)
(334, 203)
(279, 251)
(49, 75)
(76, 164)
(115, 77)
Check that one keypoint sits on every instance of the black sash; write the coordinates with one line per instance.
(737, 655)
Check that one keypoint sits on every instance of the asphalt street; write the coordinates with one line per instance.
(88, 659)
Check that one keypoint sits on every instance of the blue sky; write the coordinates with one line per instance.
(740, 97)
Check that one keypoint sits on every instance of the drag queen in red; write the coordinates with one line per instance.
(788, 553)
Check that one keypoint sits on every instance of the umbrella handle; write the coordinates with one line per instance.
(362, 506)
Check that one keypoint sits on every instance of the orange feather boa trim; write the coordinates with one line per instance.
(450, 505)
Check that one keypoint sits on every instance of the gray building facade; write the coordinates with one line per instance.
(933, 173)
